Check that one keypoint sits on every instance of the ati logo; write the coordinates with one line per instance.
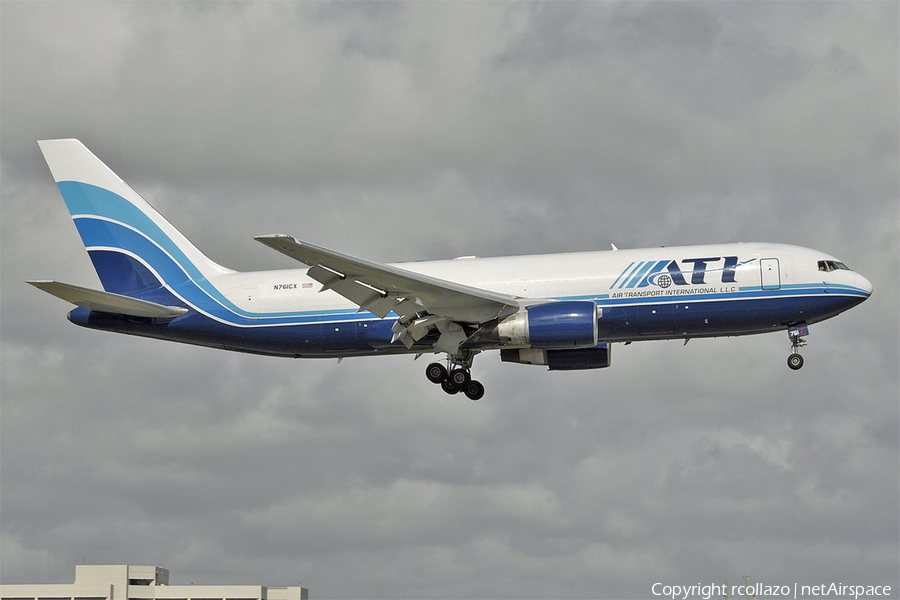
(665, 273)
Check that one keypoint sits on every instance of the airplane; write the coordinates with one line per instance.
(562, 311)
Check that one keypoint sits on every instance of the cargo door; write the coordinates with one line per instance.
(339, 336)
(657, 319)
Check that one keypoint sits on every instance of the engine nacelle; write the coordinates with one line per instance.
(597, 357)
(568, 324)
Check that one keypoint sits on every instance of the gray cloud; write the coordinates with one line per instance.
(412, 131)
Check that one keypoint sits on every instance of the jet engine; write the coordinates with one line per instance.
(568, 324)
(597, 357)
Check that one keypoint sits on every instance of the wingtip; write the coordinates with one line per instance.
(272, 236)
(43, 143)
(40, 283)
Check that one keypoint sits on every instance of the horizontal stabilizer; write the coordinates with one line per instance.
(96, 300)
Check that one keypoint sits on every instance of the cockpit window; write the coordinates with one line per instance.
(832, 265)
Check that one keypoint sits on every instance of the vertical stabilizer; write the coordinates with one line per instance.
(131, 245)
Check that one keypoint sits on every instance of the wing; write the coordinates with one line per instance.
(108, 302)
(419, 300)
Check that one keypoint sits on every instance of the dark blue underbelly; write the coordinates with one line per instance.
(367, 335)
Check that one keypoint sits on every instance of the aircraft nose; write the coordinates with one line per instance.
(864, 284)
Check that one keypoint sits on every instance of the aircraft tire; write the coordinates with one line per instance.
(460, 378)
(474, 390)
(795, 361)
(448, 387)
(436, 372)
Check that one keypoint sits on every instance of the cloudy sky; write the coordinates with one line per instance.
(431, 130)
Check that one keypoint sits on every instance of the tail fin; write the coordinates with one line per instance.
(131, 245)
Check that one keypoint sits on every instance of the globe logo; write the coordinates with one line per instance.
(664, 281)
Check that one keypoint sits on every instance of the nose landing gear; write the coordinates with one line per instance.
(457, 378)
(795, 361)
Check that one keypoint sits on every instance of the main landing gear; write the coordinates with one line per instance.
(795, 361)
(456, 379)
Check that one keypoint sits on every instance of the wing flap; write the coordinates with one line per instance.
(375, 300)
(96, 300)
(383, 288)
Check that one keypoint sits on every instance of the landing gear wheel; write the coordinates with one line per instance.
(436, 372)
(795, 361)
(459, 378)
(474, 390)
(448, 387)
(796, 333)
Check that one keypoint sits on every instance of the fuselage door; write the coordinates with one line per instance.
(657, 319)
(770, 273)
(245, 298)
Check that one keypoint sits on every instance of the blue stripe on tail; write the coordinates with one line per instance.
(115, 231)
(122, 274)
